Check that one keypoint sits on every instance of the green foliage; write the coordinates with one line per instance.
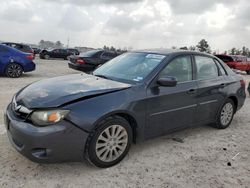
(244, 51)
(203, 46)
(49, 44)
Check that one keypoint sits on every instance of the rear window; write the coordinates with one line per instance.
(92, 53)
(109, 54)
(221, 68)
(206, 68)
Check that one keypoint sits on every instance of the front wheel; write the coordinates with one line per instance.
(226, 115)
(248, 72)
(46, 56)
(110, 143)
(14, 70)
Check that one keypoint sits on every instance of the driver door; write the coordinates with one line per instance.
(171, 108)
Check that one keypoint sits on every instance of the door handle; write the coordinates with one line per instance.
(191, 91)
(223, 85)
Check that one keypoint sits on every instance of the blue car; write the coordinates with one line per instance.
(14, 62)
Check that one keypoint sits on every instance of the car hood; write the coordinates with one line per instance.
(58, 91)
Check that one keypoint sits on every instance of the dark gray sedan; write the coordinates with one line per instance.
(134, 97)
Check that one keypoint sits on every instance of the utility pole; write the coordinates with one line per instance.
(68, 42)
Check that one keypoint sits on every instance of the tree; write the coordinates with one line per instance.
(105, 47)
(203, 46)
(112, 49)
(238, 52)
(41, 44)
(192, 48)
(58, 44)
(232, 51)
(245, 51)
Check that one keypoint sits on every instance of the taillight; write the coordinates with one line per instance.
(242, 83)
(30, 57)
(80, 61)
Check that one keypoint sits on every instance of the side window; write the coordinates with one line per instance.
(63, 51)
(206, 68)
(97, 54)
(221, 68)
(180, 68)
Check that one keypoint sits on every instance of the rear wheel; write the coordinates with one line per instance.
(226, 115)
(14, 70)
(110, 143)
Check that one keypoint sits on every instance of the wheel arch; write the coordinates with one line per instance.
(124, 114)
(235, 100)
(15, 62)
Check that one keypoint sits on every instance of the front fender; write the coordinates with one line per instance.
(87, 114)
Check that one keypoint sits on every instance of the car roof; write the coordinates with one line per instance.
(15, 43)
(10, 48)
(164, 51)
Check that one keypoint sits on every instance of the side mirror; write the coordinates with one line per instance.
(167, 81)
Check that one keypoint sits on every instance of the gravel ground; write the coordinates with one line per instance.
(207, 157)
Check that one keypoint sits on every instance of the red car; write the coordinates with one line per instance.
(236, 62)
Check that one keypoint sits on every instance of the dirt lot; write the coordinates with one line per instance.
(202, 160)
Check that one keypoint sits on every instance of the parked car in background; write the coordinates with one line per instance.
(19, 46)
(74, 51)
(236, 62)
(133, 97)
(56, 53)
(14, 62)
(89, 61)
(36, 50)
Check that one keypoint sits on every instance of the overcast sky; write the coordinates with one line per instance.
(135, 23)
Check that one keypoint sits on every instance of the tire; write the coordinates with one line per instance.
(109, 143)
(248, 72)
(14, 70)
(225, 115)
(46, 56)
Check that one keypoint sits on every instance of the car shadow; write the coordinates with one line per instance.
(169, 140)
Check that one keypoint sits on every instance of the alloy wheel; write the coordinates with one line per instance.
(14, 70)
(226, 114)
(111, 143)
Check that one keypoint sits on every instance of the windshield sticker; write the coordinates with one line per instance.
(155, 56)
(138, 79)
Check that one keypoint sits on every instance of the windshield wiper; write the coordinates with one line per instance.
(102, 76)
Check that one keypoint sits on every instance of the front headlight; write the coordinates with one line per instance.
(44, 118)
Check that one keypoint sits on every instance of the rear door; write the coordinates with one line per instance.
(211, 88)
(63, 53)
(55, 53)
(171, 108)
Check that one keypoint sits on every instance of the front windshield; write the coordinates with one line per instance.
(130, 66)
